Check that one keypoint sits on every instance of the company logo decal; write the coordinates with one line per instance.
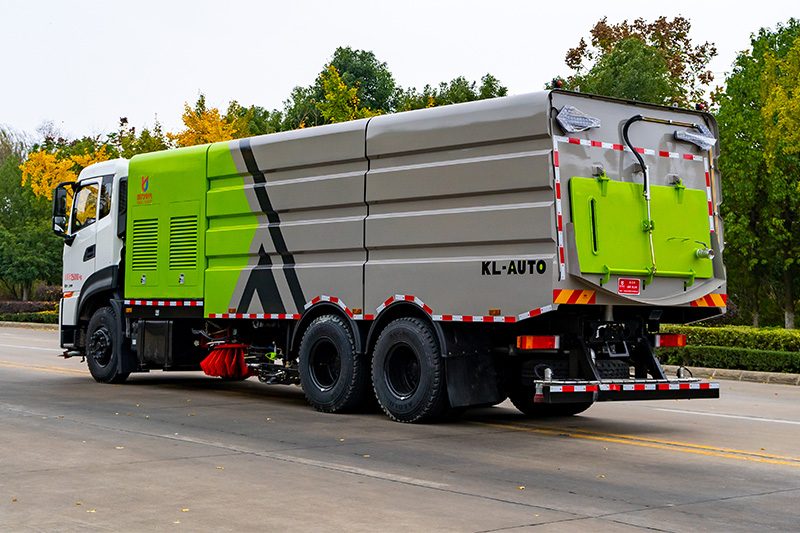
(523, 266)
(145, 197)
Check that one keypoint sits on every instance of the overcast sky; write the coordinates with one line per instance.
(83, 64)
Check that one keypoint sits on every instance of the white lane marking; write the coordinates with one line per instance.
(740, 417)
(31, 348)
(355, 470)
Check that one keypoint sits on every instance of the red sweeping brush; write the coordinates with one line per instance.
(227, 361)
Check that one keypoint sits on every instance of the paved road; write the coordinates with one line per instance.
(183, 452)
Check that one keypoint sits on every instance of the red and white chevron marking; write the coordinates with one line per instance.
(562, 265)
(459, 318)
(166, 303)
(333, 300)
(256, 316)
(628, 387)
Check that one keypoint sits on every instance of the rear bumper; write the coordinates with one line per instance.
(623, 389)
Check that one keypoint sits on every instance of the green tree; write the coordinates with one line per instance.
(687, 64)
(630, 70)
(127, 143)
(761, 200)
(456, 91)
(29, 251)
(341, 102)
(253, 120)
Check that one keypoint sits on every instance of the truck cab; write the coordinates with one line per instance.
(90, 216)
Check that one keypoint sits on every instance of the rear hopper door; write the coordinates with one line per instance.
(614, 233)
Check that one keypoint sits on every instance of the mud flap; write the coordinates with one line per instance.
(127, 361)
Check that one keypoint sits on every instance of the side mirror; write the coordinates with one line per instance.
(60, 197)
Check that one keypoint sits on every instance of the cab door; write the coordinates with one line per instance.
(79, 256)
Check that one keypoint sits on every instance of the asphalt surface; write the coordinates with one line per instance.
(172, 452)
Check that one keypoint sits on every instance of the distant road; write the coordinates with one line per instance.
(194, 453)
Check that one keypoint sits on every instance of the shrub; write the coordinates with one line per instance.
(12, 307)
(732, 358)
(45, 317)
(47, 293)
(769, 339)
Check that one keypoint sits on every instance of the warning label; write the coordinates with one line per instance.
(629, 286)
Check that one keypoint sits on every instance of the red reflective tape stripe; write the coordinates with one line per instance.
(408, 298)
(597, 144)
(447, 318)
(369, 317)
(710, 209)
(561, 253)
(724, 299)
(558, 190)
(688, 156)
(574, 296)
(640, 150)
(572, 140)
(593, 298)
(663, 154)
(708, 180)
(559, 223)
(617, 147)
(466, 318)
(427, 309)
(535, 312)
(555, 157)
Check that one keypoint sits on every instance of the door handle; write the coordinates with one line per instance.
(89, 253)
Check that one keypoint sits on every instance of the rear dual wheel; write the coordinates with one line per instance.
(334, 378)
(408, 372)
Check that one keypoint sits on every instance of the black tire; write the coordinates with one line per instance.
(104, 347)
(408, 372)
(333, 377)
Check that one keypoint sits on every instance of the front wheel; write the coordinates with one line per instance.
(104, 347)
(408, 372)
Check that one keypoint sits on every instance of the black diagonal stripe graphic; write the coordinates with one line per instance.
(262, 281)
(274, 224)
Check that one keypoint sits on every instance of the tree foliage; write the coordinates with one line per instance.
(341, 103)
(126, 143)
(687, 64)
(761, 199)
(456, 91)
(631, 70)
(29, 251)
(59, 160)
(203, 125)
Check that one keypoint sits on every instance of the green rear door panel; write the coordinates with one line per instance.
(610, 232)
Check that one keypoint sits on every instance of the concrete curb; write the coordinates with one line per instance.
(29, 325)
(779, 378)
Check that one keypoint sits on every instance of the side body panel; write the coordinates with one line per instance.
(301, 218)
(461, 208)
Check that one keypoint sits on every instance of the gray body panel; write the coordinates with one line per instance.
(456, 206)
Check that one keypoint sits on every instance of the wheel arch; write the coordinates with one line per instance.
(403, 309)
(318, 310)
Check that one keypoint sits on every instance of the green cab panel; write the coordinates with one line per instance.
(165, 224)
(611, 235)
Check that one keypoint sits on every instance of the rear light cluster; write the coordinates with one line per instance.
(538, 342)
(670, 341)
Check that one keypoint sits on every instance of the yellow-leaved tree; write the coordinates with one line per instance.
(341, 102)
(780, 87)
(203, 126)
(47, 167)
